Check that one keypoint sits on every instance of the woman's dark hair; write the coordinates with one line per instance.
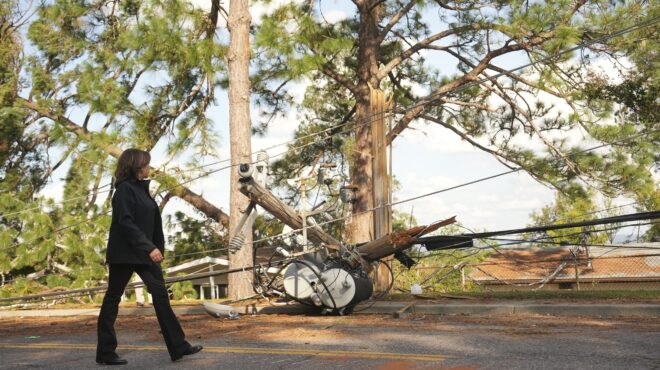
(129, 164)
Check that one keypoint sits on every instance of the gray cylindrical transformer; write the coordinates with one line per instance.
(343, 288)
(364, 288)
(336, 288)
(300, 280)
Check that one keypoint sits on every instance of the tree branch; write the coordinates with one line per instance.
(427, 42)
(395, 18)
(530, 121)
(470, 140)
(340, 79)
(180, 191)
(463, 80)
(444, 5)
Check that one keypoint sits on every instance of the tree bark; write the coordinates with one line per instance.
(286, 214)
(361, 226)
(240, 133)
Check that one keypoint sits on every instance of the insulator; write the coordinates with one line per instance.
(282, 251)
(262, 156)
(236, 243)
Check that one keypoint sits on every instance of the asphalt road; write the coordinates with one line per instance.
(354, 342)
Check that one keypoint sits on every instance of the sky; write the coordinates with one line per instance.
(426, 158)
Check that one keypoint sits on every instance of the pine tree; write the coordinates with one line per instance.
(98, 77)
(385, 45)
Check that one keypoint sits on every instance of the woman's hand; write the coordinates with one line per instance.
(155, 255)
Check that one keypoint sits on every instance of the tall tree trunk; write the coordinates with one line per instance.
(361, 226)
(240, 133)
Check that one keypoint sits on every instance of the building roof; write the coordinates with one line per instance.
(199, 265)
(615, 263)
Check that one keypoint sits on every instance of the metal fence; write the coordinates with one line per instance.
(615, 267)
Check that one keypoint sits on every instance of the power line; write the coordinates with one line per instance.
(463, 244)
(426, 194)
(615, 246)
(433, 242)
(170, 280)
(54, 232)
(238, 164)
(596, 211)
(579, 46)
(369, 119)
(67, 294)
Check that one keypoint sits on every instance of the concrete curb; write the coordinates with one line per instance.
(554, 309)
(647, 310)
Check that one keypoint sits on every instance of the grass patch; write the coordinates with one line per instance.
(545, 294)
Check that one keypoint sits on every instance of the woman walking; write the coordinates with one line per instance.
(136, 244)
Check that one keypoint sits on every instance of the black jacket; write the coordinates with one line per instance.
(137, 227)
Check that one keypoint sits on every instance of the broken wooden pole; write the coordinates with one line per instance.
(382, 216)
(392, 243)
(283, 212)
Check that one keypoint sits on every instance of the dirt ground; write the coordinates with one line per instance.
(315, 328)
(359, 341)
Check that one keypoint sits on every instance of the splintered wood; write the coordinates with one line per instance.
(283, 212)
(371, 251)
(392, 243)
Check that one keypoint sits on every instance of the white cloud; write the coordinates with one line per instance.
(257, 10)
(502, 203)
(432, 137)
(416, 89)
(54, 190)
(335, 16)
(297, 89)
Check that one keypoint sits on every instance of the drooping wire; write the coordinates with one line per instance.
(647, 23)
(620, 32)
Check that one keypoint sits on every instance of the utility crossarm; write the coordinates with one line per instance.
(264, 198)
(331, 281)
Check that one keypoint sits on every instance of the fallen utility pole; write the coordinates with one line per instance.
(264, 198)
(396, 242)
(331, 275)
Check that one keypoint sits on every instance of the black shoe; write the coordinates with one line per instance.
(115, 361)
(190, 351)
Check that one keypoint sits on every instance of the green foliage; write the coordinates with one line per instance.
(402, 221)
(183, 290)
(265, 227)
(567, 208)
(292, 44)
(440, 271)
(193, 239)
(18, 287)
(97, 74)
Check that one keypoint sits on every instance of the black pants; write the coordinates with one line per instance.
(152, 276)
